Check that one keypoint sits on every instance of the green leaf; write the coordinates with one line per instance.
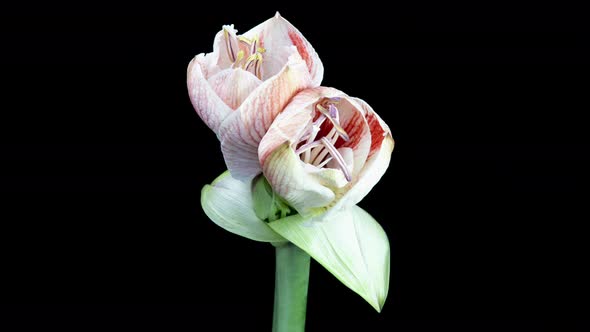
(350, 244)
(228, 203)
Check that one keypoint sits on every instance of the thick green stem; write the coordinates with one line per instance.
(291, 280)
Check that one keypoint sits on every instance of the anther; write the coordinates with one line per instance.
(253, 45)
(239, 59)
(332, 114)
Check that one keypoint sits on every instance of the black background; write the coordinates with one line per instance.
(102, 159)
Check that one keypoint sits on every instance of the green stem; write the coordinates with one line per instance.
(291, 280)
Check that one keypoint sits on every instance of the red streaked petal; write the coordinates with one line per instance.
(352, 120)
(378, 127)
(382, 145)
(280, 40)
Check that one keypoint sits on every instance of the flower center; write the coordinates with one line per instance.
(244, 53)
(317, 145)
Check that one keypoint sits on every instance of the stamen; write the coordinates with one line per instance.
(254, 44)
(245, 40)
(338, 157)
(318, 122)
(307, 133)
(307, 156)
(315, 127)
(324, 163)
(321, 151)
(258, 66)
(249, 62)
(333, 136)
(334, 119)
(307, 146)
(318, 155)
(229, 46)
(313, 130)
(323, 110)
(239, 59)
(305, 136)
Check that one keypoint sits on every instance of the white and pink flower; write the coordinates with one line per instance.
(325, 150)
(320, 152)
(246, 81)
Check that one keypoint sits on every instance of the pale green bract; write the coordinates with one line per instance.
(350, 243)
(228, 203)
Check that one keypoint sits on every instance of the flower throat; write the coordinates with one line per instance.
(244, 53)
(317, 146)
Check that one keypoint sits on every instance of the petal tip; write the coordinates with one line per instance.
(377, 306)
(191, 65)
(390, 142)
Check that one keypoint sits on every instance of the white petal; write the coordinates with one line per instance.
(350, 244)
(228, 203)
(332, 178)
(206, 102)
(233, 86)
(289, 179)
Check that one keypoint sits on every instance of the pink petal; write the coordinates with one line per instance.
(281, 39)
(220, 49)
(233, 86)
(206, 102)
(243, 130)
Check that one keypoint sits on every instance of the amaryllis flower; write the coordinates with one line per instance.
(246, 81)
(325, 150)
(299, 157)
